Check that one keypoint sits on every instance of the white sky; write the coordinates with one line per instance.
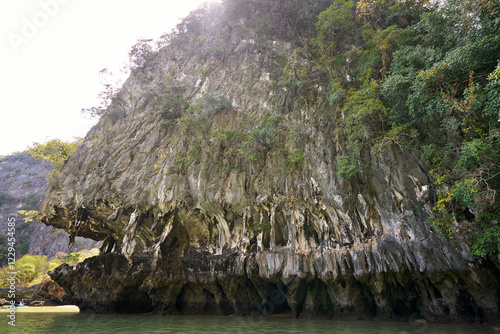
(51, 52)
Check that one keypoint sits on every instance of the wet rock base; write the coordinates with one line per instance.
(279, 283)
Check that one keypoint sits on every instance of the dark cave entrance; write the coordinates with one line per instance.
(195, 300)
(276, 302)
(467, 307)
(134, 302)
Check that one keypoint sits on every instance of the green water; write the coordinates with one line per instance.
(29, 323)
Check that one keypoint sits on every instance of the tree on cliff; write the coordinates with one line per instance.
(56, 151)
(425, 78)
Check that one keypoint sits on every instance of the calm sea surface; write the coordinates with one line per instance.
(60, 323)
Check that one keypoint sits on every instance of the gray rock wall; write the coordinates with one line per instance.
(215, 211)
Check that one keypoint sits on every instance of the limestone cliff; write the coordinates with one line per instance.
(212, 181)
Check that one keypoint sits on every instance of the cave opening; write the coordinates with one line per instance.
(276, 303)
(194, 299)
(467, 306)
(134, 301)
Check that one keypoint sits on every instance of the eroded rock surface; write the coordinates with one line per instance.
(239, 209)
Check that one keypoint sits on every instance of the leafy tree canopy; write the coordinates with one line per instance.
(424, 77)
(56, 151)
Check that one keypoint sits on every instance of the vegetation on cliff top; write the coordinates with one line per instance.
(424, 78)
(56, 151)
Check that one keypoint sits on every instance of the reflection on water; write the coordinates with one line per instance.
(31, 323)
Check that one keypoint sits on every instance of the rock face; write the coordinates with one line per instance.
(233, 205)
(46, 293)
(22, 182)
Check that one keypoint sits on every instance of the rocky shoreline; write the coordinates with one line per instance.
(303, 286)
(46, 293)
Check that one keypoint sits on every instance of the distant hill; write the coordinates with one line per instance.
(22, 182)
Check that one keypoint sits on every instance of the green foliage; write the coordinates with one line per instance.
(140, 53)
(443, 213)
(28, 207)
(347, 166)
(23, 244)
(362, 124)
(335, 92)
(363, 115)
(3, 249)
(27, 183)
(296, 77)
(335, 26)
(487, 238)
(73, 258)
(56, 151)
(33, 269)
(213, 104)
(31, 200)
(252, 140)
(291, 20)
(261, 226)
(261, 137)
(6, 198)
(171, 101)
(230, 136)
(495, 75)
(401, 135)
(476, 153)
(265, 134)
(296, 156)
(417, 76)
(465, 193)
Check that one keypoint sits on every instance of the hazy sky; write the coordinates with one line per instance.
(51, 52)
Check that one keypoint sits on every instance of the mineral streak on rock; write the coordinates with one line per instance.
(203, 216)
